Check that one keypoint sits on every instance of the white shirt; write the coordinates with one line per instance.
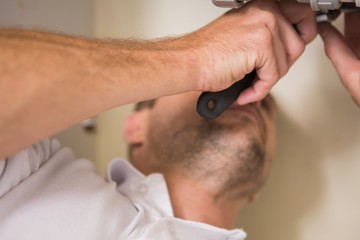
(46, 194)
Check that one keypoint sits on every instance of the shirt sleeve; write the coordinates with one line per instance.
(15, 169)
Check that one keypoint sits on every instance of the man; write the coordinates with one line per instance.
(209, 169)
(344, 52)
(212, 168)
(49, 82)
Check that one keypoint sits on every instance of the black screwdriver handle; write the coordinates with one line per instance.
(212, 104)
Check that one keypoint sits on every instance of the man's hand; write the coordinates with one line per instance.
(263, 35)
(344, 52)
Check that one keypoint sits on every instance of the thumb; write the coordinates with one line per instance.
(336, 48)
(344, 60)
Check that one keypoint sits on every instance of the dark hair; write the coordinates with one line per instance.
(144, 104)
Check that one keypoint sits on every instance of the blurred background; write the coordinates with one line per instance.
(314, 189)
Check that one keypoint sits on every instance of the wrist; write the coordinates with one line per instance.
(185, 62)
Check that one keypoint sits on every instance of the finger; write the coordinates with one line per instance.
(294, 46)
(293, 43)
(266, 81)
(280, 48)
(274, 52)
(271, 64)
(267, 65)
(290, 14)
(255, 93)
(302, 17)
(352, 33)
(336, 49)
(344, 60)
(287, 47)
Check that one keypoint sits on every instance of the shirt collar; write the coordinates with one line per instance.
(121, 171)
(148, 190)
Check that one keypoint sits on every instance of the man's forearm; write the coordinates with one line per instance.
(49, 82)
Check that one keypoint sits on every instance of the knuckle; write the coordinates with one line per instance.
(297, 49)
(284, 69)
(268, 18)
(264, 89)
(264, 35)
(262, 16)
(277, 74)
(309, 32)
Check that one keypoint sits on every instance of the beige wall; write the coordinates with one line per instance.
(314, 190)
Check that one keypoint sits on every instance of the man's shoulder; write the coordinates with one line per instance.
(64, 198)
(23, 165)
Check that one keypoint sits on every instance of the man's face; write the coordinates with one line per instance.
(230, 149)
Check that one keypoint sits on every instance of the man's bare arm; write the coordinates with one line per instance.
(49, 82)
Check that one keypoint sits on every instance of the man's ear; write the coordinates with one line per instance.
(135, 127)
